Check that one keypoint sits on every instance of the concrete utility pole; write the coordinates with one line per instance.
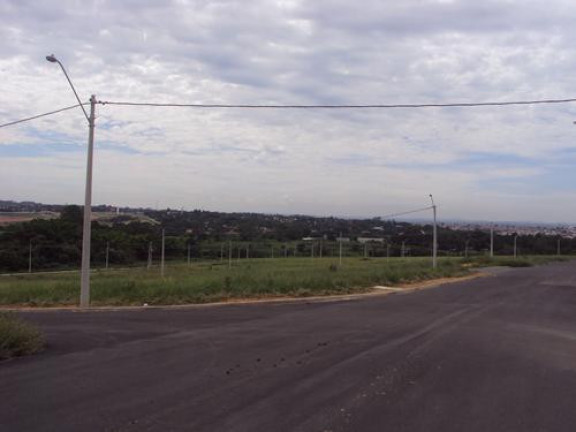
(30, 257)
(107, 254)
(491, 242)
(515, 245)
(434, 235)
(163, 253)
(86, 230)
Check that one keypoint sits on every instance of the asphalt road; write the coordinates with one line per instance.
(491, 354)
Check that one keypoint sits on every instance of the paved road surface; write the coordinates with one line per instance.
(492, 354)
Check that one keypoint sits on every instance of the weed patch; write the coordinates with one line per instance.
(17, 338)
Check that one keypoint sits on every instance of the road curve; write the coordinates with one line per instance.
(490, 354)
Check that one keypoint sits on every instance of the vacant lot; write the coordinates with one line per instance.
(19, 217)
(491, 354)
(220, 281)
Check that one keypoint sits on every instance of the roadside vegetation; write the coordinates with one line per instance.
(508, 261)
(247, 278)
(18, 338)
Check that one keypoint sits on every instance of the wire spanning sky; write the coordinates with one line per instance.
(492, 163)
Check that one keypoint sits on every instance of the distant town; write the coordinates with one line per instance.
(14, 211)
(511, 228)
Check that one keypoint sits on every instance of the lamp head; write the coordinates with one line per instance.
(51, 58)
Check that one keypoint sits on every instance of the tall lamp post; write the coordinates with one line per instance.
(86, 231)
(435, 236)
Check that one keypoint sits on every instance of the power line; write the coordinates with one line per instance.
(248, 106)
(389, 216)
(40, 115)
(378, 106)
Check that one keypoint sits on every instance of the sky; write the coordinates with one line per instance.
(482, 163)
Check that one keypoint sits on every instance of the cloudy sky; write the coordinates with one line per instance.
(489, 163)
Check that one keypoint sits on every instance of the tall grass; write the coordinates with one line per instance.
(215, 281)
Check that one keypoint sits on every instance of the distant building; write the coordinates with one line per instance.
(370, 240)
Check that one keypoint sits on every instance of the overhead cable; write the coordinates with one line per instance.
(390, 216)
(249, 106)
(40, 115)
(377, 106)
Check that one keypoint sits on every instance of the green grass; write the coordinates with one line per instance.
(523, 261)
(17, 338)
(214, 281)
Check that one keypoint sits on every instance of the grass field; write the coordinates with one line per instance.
(253, 278)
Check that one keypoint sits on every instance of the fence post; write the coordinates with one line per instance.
(162, 258)
(149, 264)
(340, 240)
(107, 253)
(229, 254)
(30, 257)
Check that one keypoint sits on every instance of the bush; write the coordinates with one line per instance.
(18, 338)
(516, 263)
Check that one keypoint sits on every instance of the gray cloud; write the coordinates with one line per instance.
(296, 52)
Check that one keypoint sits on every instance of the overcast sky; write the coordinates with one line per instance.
(489, 163)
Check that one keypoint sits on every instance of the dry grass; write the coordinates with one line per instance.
(17, 338)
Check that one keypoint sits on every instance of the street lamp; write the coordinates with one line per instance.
(86, 231)
(435, 236)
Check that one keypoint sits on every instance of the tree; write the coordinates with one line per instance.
(72, 213)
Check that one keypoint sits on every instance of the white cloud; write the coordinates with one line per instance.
(291, 52)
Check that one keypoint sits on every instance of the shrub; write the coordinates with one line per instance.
(516, 263)
(17, 338)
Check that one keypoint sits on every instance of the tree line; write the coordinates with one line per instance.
(57, 243)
